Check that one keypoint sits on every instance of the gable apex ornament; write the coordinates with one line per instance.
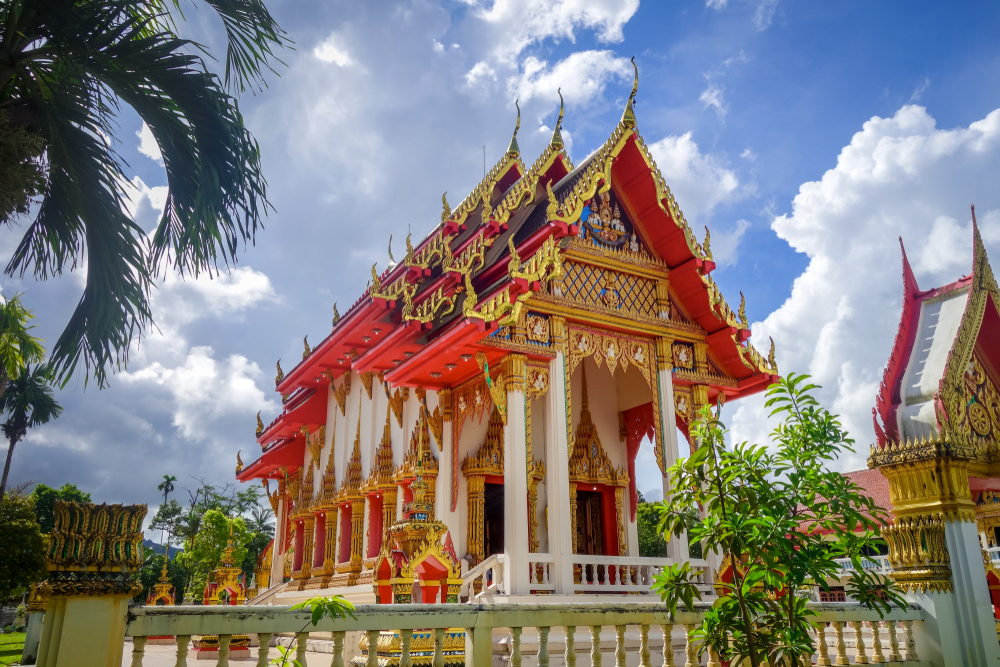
(557, 140)
(513, 148)
(628, 117)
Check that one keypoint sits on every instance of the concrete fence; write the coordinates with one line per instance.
(525, 635)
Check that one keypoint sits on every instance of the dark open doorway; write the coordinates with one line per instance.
(589, 523)
(493, 519)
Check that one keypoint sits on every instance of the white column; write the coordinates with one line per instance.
(677, 547)
(515, 490)
(557, 478)
(277, 559)
(973, 612)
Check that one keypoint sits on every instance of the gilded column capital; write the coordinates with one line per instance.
(444, 400)
(665, 354)
(918, 553)
(699, 398)
(701, 357)
(938, 486)
(514, 367)
(663, 299)
(558, 333)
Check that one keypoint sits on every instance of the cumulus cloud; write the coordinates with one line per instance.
(145, 204)
(899, 176)
(333, 50)
(521, 23)
(713, 97)
(698, 180)
(204, 389)
(148, 145)
(582, 76)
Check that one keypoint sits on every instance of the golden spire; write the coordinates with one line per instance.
(163, 574)
(260, 424)
(557, 140)
(281, 374)
(305, 344)
(514, 149)
(445, 208)
(336, 314)
(628, 118)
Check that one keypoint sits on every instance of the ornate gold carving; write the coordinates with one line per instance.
(444, 400)
(537, 329)
(918, 553)
(606, 290)
(307, 351)
(281, 374)
(272, 498)
(683, 356)
(336, 314)
(558, 330)
(340, 393)
(239, 462)
(538, 381)
(396, 405)
(315, 442)
(495, 388)
(436, 423)
(939, 485)
(489, 460)
(366, 381)
(438, 304)
(96, 537)
(589, 463)
(664, 354)
(536, 474)
(260, 425)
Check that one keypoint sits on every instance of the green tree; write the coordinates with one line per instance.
(22, 169)
(651, 543)
(45, 497)
(28, 402)
(18, 347)
(22, 546)
(782, 518)
(209, 544)
(166, 486)
(68, 67)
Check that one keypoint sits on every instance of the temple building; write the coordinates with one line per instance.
(557, 320)
(937, 426)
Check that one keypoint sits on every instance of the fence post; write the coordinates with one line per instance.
(479, 643)
(93, 552)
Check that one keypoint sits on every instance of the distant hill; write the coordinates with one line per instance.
(155, 546)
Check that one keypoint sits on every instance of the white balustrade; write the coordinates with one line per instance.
(487, 578)
(846, 628)
(877, 564)
(541, 572)
(617, 574)
(994, 554)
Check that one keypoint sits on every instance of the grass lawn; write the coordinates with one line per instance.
(10, 647)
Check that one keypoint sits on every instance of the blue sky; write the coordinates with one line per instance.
(806, 135)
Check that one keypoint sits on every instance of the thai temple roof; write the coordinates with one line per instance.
(947, 337)
(422, 320)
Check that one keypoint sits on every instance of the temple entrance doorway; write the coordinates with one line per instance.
(493, 519)
(589, 523)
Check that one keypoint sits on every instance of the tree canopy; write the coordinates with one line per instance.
(22, 545)
(45, 497)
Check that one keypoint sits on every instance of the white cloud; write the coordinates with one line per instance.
(181, 301)
(481, 73)
(582, 76)
(148, 145)
(204, 389)
(899, 176)
(726, 243)
(438, 46)
(698, 180)
(764, 14)
(748, 154)
(519, 23)
(919, 90)
(333, 50)
(145, 204)
(713, 97)
(716, 4)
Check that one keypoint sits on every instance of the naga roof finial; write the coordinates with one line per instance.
(628, 118)
(336, 314)
(281, 374)
(392, 260)
(707, 245)
(305, 344)
(260, 424)
(514, 149)
(557, 140)
(445, 208)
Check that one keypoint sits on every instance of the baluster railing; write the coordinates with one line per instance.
(876, 642)
(570, 652)
(515, 652)
(911, 646)
(860, 657)
(822, 650)
(543, 647)
(438, 647)
(595, 646)
(894, 655)
(138, 650)
(338, 649)
(644, 654)
(405, 636)
(620, 646)
(689, 647)
(263, 648)
(838, 628)
(224, 650)
(668, 645)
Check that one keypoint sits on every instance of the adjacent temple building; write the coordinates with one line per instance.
(470, 426)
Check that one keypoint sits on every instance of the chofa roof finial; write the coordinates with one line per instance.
(557, 140)
(514, 149)
(628, 118)
(445, 207)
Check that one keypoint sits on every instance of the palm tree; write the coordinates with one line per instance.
(17, 347)
(67, 68)
(28, 402)
(167, 485)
